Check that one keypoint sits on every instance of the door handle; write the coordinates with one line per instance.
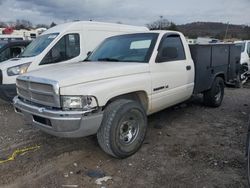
(188, 67)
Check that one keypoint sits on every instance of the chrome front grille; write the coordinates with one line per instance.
(40, 91)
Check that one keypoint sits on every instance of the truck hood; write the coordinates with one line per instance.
(82, 72)
(14, 62)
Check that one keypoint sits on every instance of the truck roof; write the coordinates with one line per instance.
(79, 24)
(160, 32)
(164, 31)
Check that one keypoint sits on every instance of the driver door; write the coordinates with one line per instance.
(172, 74)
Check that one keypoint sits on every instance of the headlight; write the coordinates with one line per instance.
(79, 102)
(17, 70)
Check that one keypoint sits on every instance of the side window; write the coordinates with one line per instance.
(66, 48)
(248, 48)
(5, 55)
(171, 49)
(15, 51)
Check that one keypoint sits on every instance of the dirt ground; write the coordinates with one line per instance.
(186, 146)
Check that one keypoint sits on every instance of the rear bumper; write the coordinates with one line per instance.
(8, 92)
(59, 123)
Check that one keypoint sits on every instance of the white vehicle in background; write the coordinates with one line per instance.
(245, 56)
(65, 43)
(10, 38)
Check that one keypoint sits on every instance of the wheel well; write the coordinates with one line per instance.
(221, 76)
(139, 96)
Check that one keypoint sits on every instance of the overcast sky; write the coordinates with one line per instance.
(136, 12)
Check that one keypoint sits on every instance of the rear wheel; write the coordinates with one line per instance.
(214, 96)
(123, 128)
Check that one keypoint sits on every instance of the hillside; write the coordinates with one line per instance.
(216, 30)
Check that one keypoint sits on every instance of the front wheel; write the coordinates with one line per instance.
(214, 96)
(123, 128)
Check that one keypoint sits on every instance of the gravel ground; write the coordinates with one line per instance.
(186, 146)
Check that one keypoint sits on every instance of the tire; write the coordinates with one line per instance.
(214, 96)
(123, 128)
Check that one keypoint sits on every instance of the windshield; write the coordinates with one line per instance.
(126, 48)
(242, 45)
(1, 45)
(38, 45)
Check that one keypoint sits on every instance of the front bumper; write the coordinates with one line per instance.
(8, 92)
(59, 123)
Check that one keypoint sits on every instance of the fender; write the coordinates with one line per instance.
(218, 74)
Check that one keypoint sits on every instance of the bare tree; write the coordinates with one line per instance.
(42, 26)
(173, 27)
(23, 24)
(3, 24)
(159, 24)
(53, 24)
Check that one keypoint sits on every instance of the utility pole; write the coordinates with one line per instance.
(161, 22)
(226, 31)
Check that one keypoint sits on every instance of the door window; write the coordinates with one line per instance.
(15, 51)
(65, 49)
(171, 49)
(5, 55)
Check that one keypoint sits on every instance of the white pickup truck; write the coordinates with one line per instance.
(125, 79)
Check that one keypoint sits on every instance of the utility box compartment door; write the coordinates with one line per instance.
(201, 55)
(220, 55)
(234, 66)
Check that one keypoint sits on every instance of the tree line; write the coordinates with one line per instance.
(25, 24)
(191, 30)
(222, 31)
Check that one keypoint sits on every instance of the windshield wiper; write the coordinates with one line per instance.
(108, 59)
